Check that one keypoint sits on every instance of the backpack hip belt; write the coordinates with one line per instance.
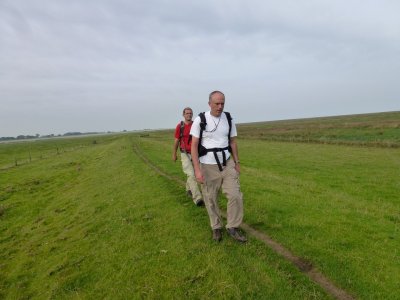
(215, 150)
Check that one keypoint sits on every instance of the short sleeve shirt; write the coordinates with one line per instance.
(185, 142)
(214, 136)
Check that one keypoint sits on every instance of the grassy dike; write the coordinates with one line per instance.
(336, 206)
(96, 222)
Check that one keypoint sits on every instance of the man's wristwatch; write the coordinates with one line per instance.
(237, 162)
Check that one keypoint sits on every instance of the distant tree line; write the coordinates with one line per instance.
(20, 137)
(38, 136)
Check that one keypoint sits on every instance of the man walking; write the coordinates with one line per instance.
(213, 142)
(183, 140)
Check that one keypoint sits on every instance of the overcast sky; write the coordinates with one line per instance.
(112, 65)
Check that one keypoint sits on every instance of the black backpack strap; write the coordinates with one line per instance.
(214, 151)
(217, 160)
(181, 130)
(229, 118)
(190, 139)
(203, 124)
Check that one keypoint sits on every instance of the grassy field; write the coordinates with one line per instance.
(95, 221)
(379, 129)
(22, 152)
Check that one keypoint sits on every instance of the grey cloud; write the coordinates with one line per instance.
(148, 57)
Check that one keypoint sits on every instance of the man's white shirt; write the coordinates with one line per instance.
(211, 138)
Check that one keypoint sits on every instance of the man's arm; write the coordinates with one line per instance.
(195, 160)
(235, 153)
(176, 144)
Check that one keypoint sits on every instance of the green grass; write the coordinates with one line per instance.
(99, 223)
(334, 205)
(22, 152)
(379, 129)
(94, 221)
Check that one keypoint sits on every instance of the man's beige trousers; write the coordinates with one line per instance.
(191, 183)
(228, 179)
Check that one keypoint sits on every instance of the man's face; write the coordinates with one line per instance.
(217, 103)
(188, 114)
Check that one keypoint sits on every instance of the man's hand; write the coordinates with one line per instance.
(199, 176)
(176, 144)
(237, 167)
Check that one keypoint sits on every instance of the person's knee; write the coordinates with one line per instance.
(236, 198)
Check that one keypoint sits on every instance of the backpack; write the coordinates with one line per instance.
(182, 128)
(203, 150)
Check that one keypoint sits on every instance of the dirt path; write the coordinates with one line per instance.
(303, 265)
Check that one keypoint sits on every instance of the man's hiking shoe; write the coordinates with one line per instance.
(189, 193)
(200, 202)
(217, 234)
(236, 235)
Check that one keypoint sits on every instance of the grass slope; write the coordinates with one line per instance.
(335, 205)
(379, 129)
(96, 222)
(86, 218)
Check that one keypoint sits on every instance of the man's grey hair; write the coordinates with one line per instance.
(213, 93)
